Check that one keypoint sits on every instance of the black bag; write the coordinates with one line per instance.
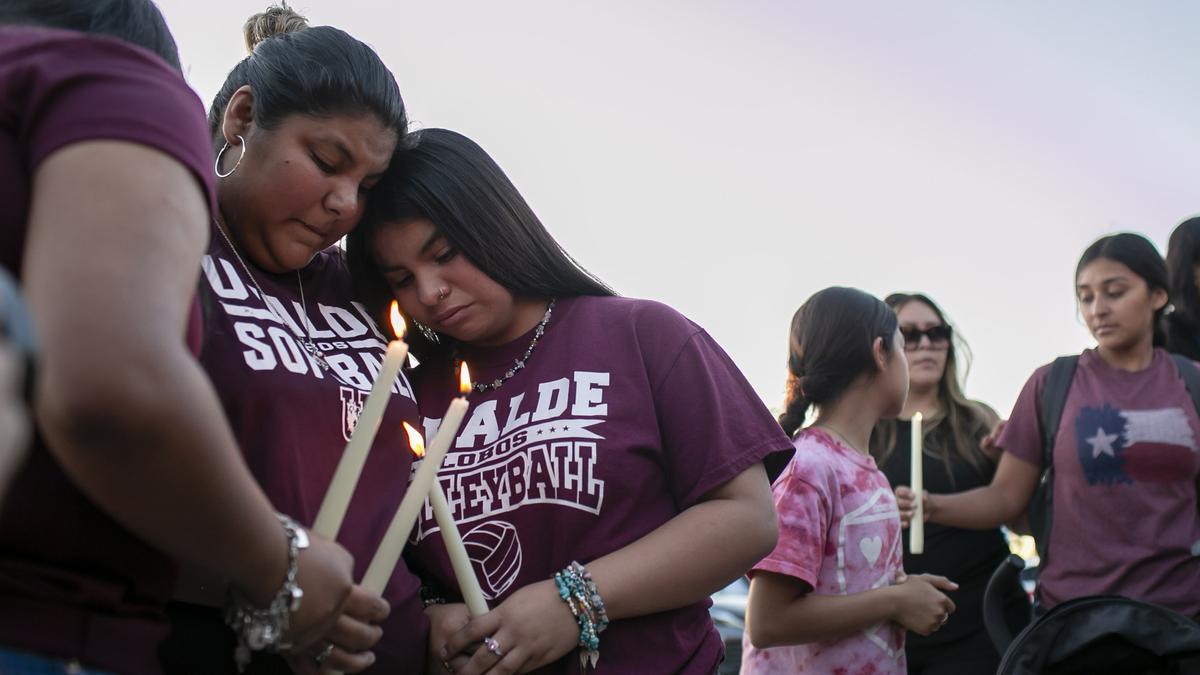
(1105, 634)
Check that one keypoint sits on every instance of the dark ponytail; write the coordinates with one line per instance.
(830, 345)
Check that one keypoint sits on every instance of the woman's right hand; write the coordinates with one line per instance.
(923, 607)
(906, 504)
(333, 611)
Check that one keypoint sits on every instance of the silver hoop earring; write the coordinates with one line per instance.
(217, 164)
(427, 332)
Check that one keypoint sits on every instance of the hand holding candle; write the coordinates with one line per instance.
(916, 529)
(388, 555)
(345, 478)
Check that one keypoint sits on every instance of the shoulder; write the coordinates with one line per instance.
(648, 322)
(815, 461)
(51, 54)
(62, 87)
(637, 311)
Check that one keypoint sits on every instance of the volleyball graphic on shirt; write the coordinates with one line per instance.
(1124, 446)
(495, 552)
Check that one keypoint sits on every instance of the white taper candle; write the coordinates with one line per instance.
(916, 529)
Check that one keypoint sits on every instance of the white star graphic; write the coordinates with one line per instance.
(1102, 443)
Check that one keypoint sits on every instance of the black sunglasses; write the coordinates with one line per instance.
(939, 336)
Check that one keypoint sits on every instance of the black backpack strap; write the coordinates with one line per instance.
(1191, 378)
(1050, 411)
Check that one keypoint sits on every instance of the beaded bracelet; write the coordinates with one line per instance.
(579, 592)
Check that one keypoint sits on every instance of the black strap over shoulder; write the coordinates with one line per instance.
(1191, 377)
(1050, 411)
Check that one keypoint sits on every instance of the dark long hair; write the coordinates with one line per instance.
(319, 72)
(961, 423)
(138, 22)
(829, 346)
(1183, 254)
(447, 179)
(1139, 255)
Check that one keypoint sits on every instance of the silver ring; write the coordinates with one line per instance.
(443, 292)
(323, 654)
(493, 646)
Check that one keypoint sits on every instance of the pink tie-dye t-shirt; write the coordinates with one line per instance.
(839, 532)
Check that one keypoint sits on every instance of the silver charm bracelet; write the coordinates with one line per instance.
(259, 629)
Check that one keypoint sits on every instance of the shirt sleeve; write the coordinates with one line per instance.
(1022, 435)
(84, 88)
(712, 423)
(804, 519)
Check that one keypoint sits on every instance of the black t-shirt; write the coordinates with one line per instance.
(967, 557)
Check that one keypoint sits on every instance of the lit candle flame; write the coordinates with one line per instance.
(398, 325)
(464, 379)
(414, 440)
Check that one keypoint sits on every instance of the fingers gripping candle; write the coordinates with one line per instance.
(345, 478)
(916, 529)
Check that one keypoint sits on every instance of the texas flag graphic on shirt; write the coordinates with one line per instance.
(1126, 446)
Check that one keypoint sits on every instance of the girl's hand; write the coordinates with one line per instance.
(530, 629)
(906, 503)
(922, 607)
(445, 621)
(988, 443)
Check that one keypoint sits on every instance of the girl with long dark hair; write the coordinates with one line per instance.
(610, 467)
(1182, 323)
(1126, 462)
(833, 596)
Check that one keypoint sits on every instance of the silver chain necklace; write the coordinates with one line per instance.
(305, 340)
(519, 364)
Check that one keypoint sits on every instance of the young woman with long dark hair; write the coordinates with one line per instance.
(1126, 459)
(1182, 323)
(611, 443)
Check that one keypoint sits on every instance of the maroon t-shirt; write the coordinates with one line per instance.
(1126, 466)
(293, 419)
(73, 582)
(626, 414)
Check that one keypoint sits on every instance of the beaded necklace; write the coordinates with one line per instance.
(519, 364)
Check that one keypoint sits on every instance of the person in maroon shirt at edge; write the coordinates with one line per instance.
(106, 187)
(605, 431)
(302, 128)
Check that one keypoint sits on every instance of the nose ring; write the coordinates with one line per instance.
(443, 292)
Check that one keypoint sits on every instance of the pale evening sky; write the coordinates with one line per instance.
(731, 158)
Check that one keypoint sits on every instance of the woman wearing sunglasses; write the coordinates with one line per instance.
(956, 458)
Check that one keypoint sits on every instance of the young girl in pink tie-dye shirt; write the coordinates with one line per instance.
(832, 596)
